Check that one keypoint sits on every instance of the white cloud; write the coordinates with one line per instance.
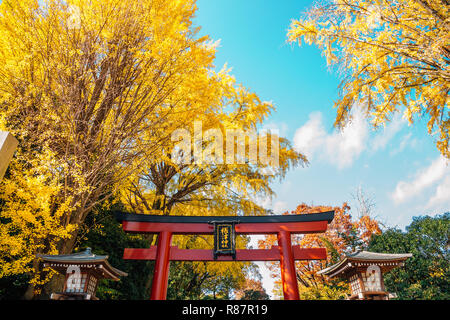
(442, 194)
(310, 136)
(380, 141)
(339, 147)
(424, 179)
(405, 141)
(265, 202)
(346, 146)
(280, 207)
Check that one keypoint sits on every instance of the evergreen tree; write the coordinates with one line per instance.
(426, 275)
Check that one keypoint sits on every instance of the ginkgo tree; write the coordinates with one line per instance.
(98, 88)
(393, 56)
(93, 90)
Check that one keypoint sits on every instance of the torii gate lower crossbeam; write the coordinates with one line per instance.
(283, 226)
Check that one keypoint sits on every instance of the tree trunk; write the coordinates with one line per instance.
(29, 294)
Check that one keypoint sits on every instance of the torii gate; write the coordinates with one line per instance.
(282, 225)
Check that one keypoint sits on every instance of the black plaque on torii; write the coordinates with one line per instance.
(224, 238)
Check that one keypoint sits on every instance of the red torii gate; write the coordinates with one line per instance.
(282, 225)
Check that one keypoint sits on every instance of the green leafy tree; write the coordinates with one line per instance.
(255, 295)
(185, 282)
(426, 275)
(252, 289)
(13, 287)
(221, 287)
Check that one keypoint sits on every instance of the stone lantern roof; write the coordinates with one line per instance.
(363, 259)
(85, 260)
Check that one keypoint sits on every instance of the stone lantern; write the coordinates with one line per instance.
(82, 271)
(364, 271)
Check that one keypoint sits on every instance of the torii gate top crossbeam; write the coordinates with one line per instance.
(304, 223)
(327, 216)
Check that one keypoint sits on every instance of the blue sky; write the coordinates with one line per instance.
(398, 166)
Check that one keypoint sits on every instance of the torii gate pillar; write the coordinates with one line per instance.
(287, 264)
(161, 273)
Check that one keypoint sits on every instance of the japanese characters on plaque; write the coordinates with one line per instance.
(224, 239)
